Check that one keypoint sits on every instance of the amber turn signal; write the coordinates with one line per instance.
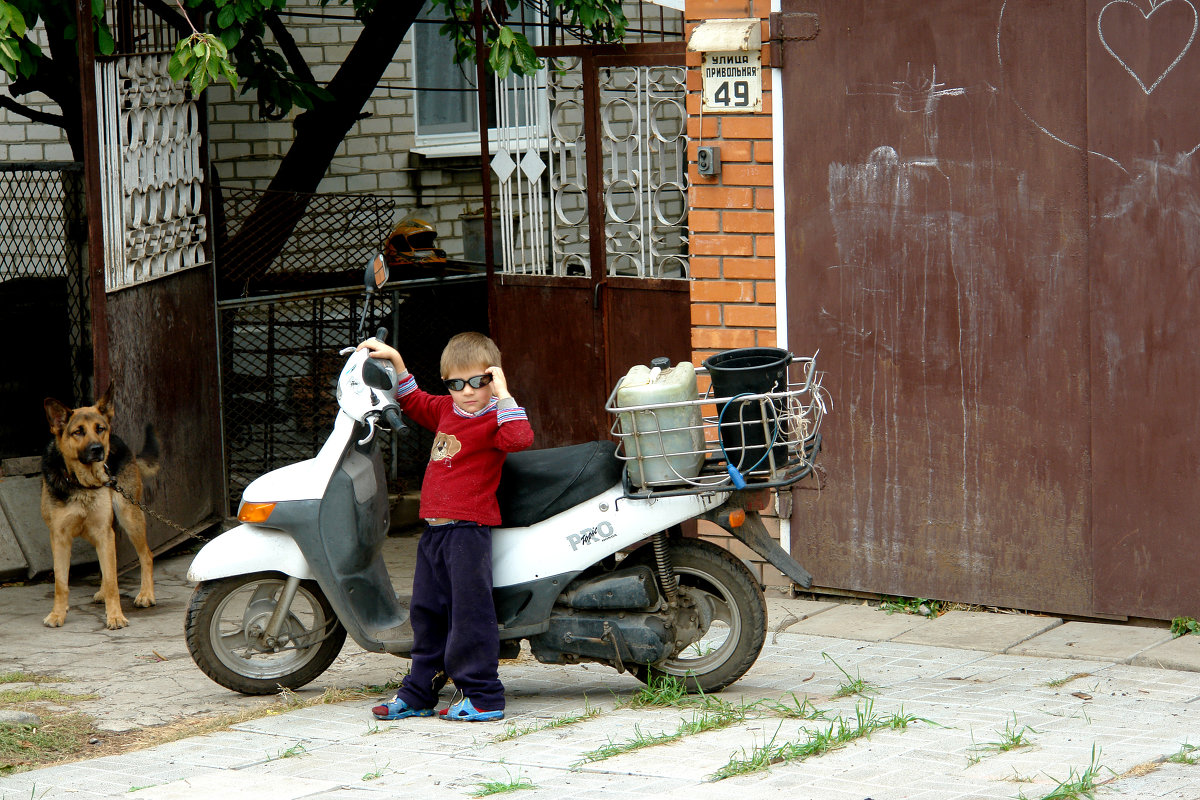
(737, 517)
(255, 512)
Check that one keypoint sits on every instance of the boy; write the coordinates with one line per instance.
(453, 618)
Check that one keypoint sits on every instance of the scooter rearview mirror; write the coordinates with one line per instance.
(377, 274)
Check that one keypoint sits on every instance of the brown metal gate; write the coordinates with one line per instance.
(994, 207)
(152, 289)
(588, 319)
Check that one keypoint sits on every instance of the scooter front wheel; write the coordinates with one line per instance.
(226, 633)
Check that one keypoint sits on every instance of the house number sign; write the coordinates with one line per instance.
(732, 81)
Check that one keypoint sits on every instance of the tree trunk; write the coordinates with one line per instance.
(246, 257)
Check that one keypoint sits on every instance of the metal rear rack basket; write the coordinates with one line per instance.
(711, 444)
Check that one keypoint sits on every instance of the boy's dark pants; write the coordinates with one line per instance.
(454, 618)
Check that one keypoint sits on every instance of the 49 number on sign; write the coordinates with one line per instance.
(740, 94)
(732, 81)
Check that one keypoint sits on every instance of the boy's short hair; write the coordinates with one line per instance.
(468, 350)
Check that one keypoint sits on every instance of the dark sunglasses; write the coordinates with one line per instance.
(458, 384)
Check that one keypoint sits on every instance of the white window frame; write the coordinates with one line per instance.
(466, 143)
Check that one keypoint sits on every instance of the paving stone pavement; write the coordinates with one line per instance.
(1117, 699)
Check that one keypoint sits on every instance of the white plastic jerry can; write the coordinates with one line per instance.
(664, 444)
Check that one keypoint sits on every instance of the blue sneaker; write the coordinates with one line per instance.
(398, 709)
(465, 711)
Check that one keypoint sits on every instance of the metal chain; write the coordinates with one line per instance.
(112, 484)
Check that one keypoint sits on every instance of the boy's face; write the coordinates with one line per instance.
(468, 398)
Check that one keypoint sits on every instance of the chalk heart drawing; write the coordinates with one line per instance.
(1125, 15)
(1148, 39)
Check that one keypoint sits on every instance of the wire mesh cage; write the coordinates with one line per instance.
(751, 440)
(280, 362)
(44, 296)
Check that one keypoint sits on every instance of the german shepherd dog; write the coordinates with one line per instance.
(79, 499)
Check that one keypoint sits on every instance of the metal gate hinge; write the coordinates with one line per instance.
(800, 26)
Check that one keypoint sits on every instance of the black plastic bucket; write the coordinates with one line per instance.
(750, 370)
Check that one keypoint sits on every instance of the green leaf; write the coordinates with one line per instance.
(15, 21)
(104, 40)
(199, 81)
(98, 9)
(226, 17)
(9, 47)
(230, 74)
(27, 67)
(230, 37)
(176, 68)
(200, 49)
(506, 36)
(8, 64)
(501, 60)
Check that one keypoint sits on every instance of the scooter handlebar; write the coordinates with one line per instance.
(391, 415)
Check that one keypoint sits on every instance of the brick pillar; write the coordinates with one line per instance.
(731, 220)
(732, 223)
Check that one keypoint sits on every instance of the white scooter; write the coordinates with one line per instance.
(587, 567)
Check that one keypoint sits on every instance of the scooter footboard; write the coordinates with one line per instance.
(246, 549)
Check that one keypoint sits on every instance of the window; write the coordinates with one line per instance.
(447, 107)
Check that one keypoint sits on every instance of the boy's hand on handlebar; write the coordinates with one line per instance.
(499, 382)
(380, 350)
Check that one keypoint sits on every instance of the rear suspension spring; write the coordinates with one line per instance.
(666, 572)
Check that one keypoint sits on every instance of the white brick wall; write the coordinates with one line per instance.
(22, 140)
(245, 151)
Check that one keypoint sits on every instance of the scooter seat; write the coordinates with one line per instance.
(537, 484)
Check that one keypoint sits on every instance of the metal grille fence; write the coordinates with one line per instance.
(270, 241)
(280, 362)
(45, 315)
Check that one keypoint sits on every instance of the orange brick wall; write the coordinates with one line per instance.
(732, 242)
(732, 222)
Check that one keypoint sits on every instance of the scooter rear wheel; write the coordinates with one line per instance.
(224, 629)
(735, 637)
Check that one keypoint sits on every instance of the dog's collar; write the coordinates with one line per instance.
(111, 483)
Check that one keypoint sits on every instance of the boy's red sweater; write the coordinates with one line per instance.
(468, 451)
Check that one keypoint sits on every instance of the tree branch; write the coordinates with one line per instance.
(169, 15)
(57, 120)
(283, 37)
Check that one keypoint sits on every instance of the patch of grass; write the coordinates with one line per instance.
(36, 695)
(1182, 626)
(500, 787)
(918, 606)
(714, 717)
(854, 684)
(31, 677)
(378, 773)
(1057, 682)
(44, 753)
(840, 732)
(514, 731)
(1188, 754)
(661, 691)
(1011, 738)
(295, 751)
(799, 709)
(57, 738)
(1078, 786)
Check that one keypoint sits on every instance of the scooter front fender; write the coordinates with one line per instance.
(246, 549)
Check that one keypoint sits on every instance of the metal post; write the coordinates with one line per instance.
(101, 367)
(485, 161)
